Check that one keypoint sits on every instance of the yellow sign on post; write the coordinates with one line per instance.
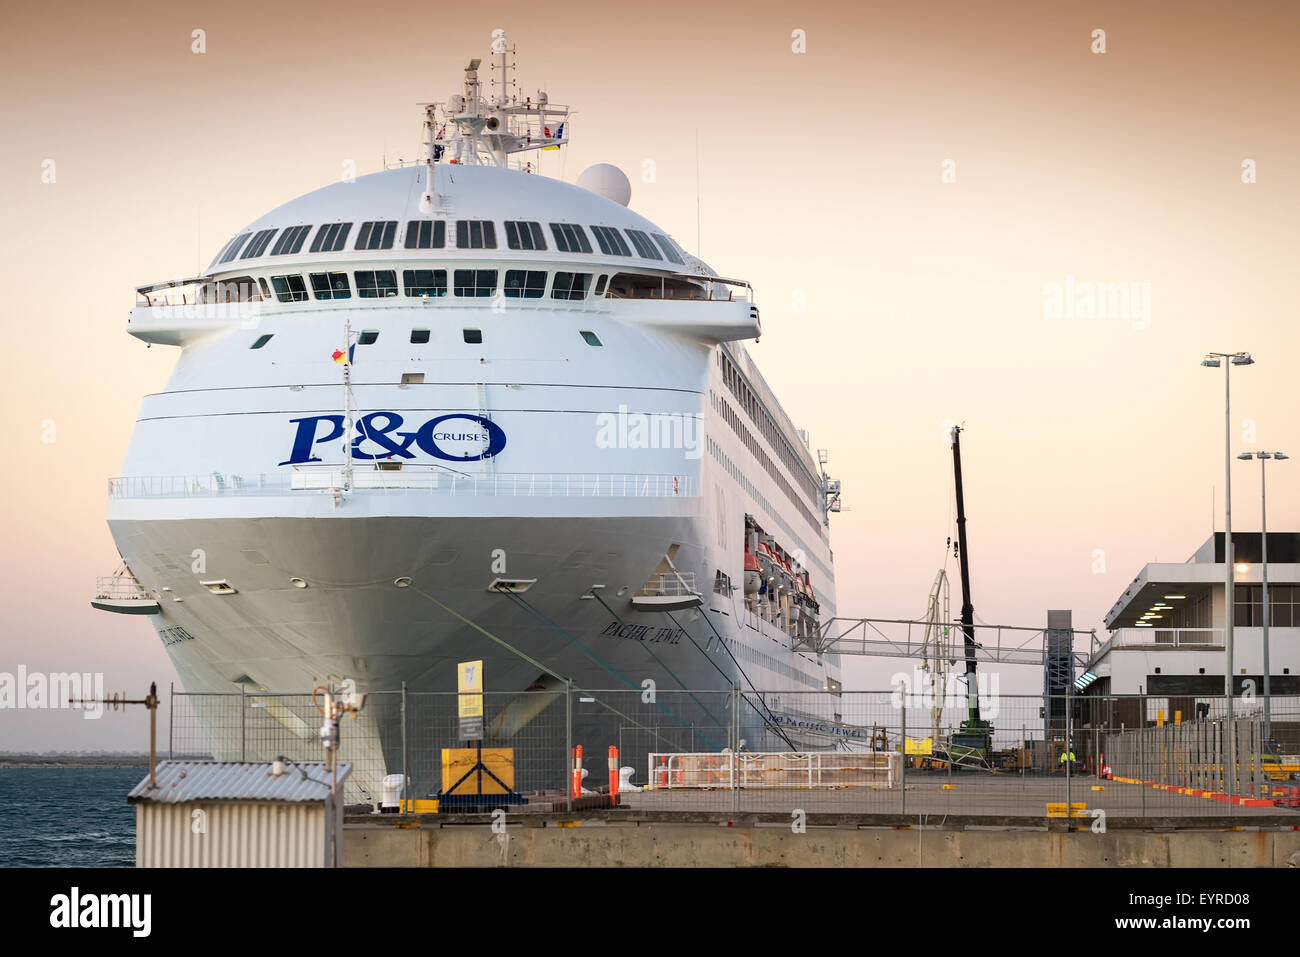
(922, 746)
(469, 683)
(469, 699)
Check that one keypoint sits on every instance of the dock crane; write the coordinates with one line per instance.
(973, 742)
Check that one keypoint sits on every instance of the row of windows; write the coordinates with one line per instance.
(470, 234)
(420, 337)
(766, 423)
(723, 408)
(418, 283)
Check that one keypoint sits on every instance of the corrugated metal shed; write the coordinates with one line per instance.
(228, 814)
(181, 782)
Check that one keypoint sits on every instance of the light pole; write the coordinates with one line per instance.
(1213, 360)
(1263, 541)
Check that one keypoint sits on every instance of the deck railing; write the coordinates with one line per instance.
(406, 482)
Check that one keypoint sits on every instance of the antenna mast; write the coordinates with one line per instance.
(486, 131)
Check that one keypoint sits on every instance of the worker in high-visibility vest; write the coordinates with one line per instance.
(1068, 753)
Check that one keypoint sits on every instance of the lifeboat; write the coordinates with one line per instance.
(753, 577)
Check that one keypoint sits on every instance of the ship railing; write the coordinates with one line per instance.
(669, 584)
(119, 587)
(407, 481)
(197, 291)
(679, 288)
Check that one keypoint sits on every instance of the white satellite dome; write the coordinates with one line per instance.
(608, 181)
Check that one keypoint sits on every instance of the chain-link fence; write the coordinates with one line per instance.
(886, 753)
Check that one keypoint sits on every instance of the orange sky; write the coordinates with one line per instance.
(819, 174)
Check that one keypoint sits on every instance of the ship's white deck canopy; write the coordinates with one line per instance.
(462, 193)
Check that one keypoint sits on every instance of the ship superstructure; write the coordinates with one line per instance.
(403, 402)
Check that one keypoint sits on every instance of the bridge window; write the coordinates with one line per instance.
(291, 241)
(472, 336)
(425, 282)
(570, 238)
(611, 241)
(258, 245)
(644, 248)
(475, 282)
(376, 235)
(262, 340)
(628, 285)
(426, 234)
(571, 285)
(289, 288)
(330, 285)
(368, 337)
(419, 336)
(233, 247)
(376, 283)
(590, 338)
(600, 286)
(330, 238)
(521, 235)
(670, 249)
(475, 234)
(525, 283)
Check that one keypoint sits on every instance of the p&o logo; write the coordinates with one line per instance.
(458, 437)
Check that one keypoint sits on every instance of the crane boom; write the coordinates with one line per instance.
(967, 607)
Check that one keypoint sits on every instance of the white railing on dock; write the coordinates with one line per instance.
(774, 769)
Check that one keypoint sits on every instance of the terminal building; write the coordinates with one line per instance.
(1166, 639)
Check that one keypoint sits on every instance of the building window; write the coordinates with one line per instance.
(262, 340)
(670, 249)
(473, 336)
(290, 241)
(525, 283)
(377, 234)
(475, 234)
(425, 282)
(644, 247)
(330, 238)
(426, 234)
(475, 282)
(570, 238)
(521, 235)
(376, 283)
(368, 337)
(289, 288)
(590, 338)
(330, 285)
(571, 285)
(419, 336)
(611, 241)
(258, 245)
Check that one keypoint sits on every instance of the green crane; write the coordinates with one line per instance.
(974, 740)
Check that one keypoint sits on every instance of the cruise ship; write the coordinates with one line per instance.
(458, 410)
